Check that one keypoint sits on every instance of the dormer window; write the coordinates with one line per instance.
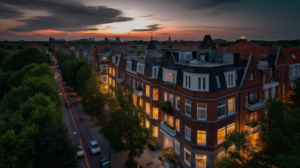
(155, 72)
(196, 82)
(129, 63)
(114, 60)
(230, 79)
(140, 68)
(294, 56)
(169, 75)
(251, 76)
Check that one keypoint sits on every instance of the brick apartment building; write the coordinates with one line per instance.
(211, 94)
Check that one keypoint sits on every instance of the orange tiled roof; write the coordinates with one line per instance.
(288, 52)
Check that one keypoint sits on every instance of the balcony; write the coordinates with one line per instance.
(119, 80)
(253, 128)
(138, 92)
(254, 105)
(167, 130)
(170, 84)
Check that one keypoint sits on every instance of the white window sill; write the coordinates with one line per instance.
(220, 141)
(187, 115)
(154, 118)
(201, 119)
(187, 163)
(155, 99)
(231, 113)
(187, 138)
(223, 116)
(201, 144)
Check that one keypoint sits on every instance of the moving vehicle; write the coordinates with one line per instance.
(59, 92)
(104, 163)
(94, 147)
(72, 94)
(68, 103)
(80, 152)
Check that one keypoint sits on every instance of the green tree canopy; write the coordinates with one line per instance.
(17, 78)
(41, 70)
(4, 54)
(20, 47)
(72, 70)
(83, 75)
(295, 96)
(4, 76)
(10, 47)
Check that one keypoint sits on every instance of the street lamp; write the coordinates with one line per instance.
(75, 137)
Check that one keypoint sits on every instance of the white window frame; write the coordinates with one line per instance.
(102, 78)
(191, 81)
(155, 70)
(231, 103)
(199, 157)
(154, 94)
(186, 104)
(218, 81)
(176, 102)
(199, 143)
(198, 108)
(171, 97)
(166, 75)
(140, 68)
(165, 96)
(185, 161)
(185, 133)
(129, 65)
(202, 85)
(103, 67)
(228, 75)
(177, 146)
(222, 106)
(156, 118)
(219, 130)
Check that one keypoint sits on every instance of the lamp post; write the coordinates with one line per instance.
(75, 137)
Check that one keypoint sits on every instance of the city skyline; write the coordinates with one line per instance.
(134, 20)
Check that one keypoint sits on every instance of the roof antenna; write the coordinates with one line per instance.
(151, 36)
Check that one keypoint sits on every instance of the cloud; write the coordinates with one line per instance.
(9, 12)
(203, 4)
(65, 15)
(150, 28)
(147, 16)
(212, 14)
(164, 34)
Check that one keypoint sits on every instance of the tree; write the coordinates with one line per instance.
(10, 47)
(83, 75)
(24, 57)
(4, 76)
(295, 96)
(72, 70)
(125, 125)
(20, 47)
(17, 78)
(41, 70)
(139, 52)
(4, 54)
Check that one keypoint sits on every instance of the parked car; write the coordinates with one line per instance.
(59, 92)
(104, 163)
(80, 152)
(68, 104)
(94, 147)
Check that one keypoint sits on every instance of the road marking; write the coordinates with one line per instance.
(84, 153)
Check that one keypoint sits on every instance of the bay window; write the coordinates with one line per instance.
(221, 109)
(188, 107)
(221, 135)
(201, 111)
(155, 113)
(201, 137)
(231, 105)
(155, 94)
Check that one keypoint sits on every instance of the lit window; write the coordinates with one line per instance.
(141, 102)
(187, 157)
(177, 102)
(147, 124)
(134, 99)
(178, 125)
(114, 72)
(169, 76)
(187, 133)
(171, 99)
(109, 81)
(221, 135)
(148, 90)
(231, 105)
(148, 108)
(230, 128)
(155, 94)
(177, 147)
(155, 131)
(166, 96)
(221, 108)
(188, 107)
(113, 83)
(201, 137)
(155, 113)
(171, 121)
(201, 111)
(200, 161)
(104, 78)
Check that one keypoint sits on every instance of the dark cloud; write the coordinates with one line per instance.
(9, 12)
(203, 4)
(65, 15)
(212, 14)
(150, 28)
(162, 19)
(164, 33)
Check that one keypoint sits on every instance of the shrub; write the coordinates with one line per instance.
(151, 144)
(168, 153)
(139, 88)
(166, 105)
(253, 101)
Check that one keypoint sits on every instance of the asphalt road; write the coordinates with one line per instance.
(77, 125)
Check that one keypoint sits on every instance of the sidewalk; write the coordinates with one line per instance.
(118, 159)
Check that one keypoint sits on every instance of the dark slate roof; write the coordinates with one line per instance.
(272, 59)
(171, 67)
(152, 46)
(208, 43)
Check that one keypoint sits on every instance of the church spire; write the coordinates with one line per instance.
(169, 38)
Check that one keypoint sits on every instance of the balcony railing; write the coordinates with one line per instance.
(255, 106)
(167, 129)
(253, 129)
(119, 80)
(170, 84)
(138, 93)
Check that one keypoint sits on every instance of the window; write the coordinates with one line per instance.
(283, 88)
(113, 72)
(221, 135)
(128, 67)
(113, 83)
(177, 102)
(155, 131)
(171, 121)
(109, 79)
(251, 76)
(178, 125)
(169, 76)
(166, 117)
(134, 99)
(109, 70)
(148, 90)
(147, 124)
(230, 79)
(104, 69)
(133, 83)
(104, 78)
(140, 68)
(230, 128)
(187, 133)
(188, 107)
(165, 96)
(201, 137)
(246, 120)
(148, 108)
(231, 105)
(246, 97)
(291, 72)
(218, 81)
(155, 113)
(221, 109)
(187, 157)
(266, 94)
(200, 161)
(293, 55)
(188, 81)
(155, 72)
(155, 94)
(201, 83)
(141, 102)
(201, 111)
(177, 147)
(251, 96)
(171, 99)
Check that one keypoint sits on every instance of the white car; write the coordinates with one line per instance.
(80, 153)
(94, 147)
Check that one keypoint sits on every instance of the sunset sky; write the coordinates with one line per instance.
(135, 19)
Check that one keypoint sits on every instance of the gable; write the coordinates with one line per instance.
(281, 59)
(257, 80)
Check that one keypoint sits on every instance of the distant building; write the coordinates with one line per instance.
(90, 39)
(51, 39)
(219, 40)
(93, 39)
(105, 39)
(118, 39)
(84, 40)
